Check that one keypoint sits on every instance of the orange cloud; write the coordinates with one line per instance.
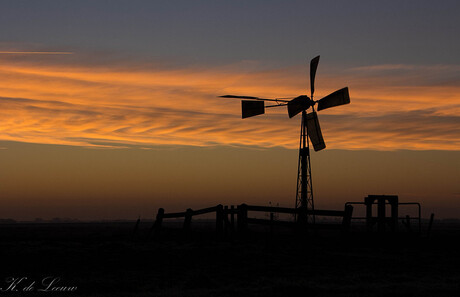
(116, 105)
(34, 53)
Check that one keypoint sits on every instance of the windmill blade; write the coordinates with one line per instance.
(313, 66)
(314, 132)
(252, 108)
(337, 98)
(254, 98)
(239, 97)
(298, 104)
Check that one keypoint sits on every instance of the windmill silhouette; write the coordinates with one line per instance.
(310, 131)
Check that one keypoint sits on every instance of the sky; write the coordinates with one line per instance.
(109, 109)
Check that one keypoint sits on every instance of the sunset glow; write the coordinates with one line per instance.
(393, 106)
(111, 109)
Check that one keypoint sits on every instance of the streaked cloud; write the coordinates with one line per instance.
(120, 104)
(34, 53)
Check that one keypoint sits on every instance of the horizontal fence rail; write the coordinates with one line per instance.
(224, 224)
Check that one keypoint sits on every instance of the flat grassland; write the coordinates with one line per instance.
(107, 259)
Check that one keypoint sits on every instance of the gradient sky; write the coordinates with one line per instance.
(108, 109)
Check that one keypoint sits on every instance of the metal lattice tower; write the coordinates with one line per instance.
(304, 193)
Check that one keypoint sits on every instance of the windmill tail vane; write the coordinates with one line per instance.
(310, 128)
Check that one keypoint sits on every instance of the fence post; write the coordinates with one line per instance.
(158, 221)
(348, 213)
(188, 219)
(242, 217)
(219, 220)
(232, 218)
(430, 225)
(408, 223)
(227, 223)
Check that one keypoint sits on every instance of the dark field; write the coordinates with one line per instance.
(105, 259)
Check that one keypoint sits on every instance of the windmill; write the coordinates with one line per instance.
(309, 131)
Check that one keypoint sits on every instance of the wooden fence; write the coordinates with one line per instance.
(244, 220)
(224, 224)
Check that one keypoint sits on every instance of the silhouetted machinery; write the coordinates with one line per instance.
(382, 221)
(310, 130)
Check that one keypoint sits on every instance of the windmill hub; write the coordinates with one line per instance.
(298, 104)
(310, 129)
